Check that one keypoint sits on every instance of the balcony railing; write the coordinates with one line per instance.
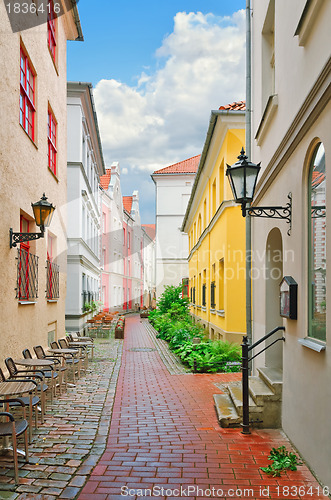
(27, 275)
(53, 280)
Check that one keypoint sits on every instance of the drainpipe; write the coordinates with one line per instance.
(248, 154)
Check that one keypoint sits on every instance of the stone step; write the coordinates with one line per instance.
(260, 392)
(235, 393)
(226, 412)
(273, 378)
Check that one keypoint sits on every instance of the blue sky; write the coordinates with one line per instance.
(154, 70)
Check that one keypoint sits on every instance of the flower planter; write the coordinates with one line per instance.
(119, 328)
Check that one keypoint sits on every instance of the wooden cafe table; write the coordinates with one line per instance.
(18, 388)
(36, 363)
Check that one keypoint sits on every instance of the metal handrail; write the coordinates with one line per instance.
(246, 348)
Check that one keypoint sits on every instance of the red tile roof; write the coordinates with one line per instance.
(317, 178)
(189, 166)
(235, 106)
(105, 179)
(127, 203)
(150, 230)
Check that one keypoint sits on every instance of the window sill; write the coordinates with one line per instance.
(221, 312)
(27, 302)
(307, 20)
(268, 113)
(203, 308)
(35, 145)
(212, 311)
(52, 300)
(313, 344)
(198, 307)
(51, 171)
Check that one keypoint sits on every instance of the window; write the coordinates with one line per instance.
(213, 194)
(212, 295)
(185, 288)
(221, 182)
(268, 54)
(27, 96)
(51, 28)
(53, 275)
(27, 268)
(317, 246)
(221, 285)
(52, 142)
(204, 294)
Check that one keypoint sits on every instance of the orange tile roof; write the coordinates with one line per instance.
(127, 203)
(235, 106)
(105, 179)
(150, 230)
(317, 178)
(189, 166)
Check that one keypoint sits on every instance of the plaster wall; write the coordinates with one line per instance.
(285, 152)
(24, 176)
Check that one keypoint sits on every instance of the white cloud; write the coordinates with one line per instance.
(164, 119)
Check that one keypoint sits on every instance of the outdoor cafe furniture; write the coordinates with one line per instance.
(67, 356)
(81, 344)
(41, 365)
(14, 373)
(81, 356)
(15, 428)
(22, 401)
(62, 370)
(17, 388)
(44, 365)
(89, 341)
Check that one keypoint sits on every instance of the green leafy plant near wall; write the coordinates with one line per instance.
(174, 324)
(283, 460)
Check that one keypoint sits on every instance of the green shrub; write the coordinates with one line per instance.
(174, 324)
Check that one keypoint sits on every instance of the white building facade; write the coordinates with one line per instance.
(112, 260)
(173, 187)
(85, 166)
(149, 264)
(291, 131)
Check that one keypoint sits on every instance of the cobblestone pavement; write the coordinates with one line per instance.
(164, 434)
(68, 445)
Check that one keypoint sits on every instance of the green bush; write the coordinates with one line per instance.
(174, 324)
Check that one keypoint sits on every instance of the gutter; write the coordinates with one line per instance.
(80, 37)
(212, 124)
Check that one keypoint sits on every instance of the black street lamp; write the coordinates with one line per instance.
(242, 176)
(43, 214)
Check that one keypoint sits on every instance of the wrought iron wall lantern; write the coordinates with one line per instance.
(242, 176)
(43, 213)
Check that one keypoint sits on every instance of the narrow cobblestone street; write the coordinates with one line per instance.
(164, 434)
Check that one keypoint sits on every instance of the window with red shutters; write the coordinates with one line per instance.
(51, 28)
(52, 142)
(27, 96)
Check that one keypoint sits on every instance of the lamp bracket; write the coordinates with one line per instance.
(273, 212)
(15, 238)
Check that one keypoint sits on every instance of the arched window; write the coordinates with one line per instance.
(317, 246)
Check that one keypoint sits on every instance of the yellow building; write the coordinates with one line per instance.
(216, 231)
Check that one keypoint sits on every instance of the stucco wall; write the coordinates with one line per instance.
(302, 84)
(24, 178)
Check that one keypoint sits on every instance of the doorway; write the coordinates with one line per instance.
(274, 274)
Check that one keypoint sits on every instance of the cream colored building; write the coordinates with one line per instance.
(171, 245)
(33, 161)
(291, 137)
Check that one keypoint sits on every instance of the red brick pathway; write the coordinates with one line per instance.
(164, 435)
